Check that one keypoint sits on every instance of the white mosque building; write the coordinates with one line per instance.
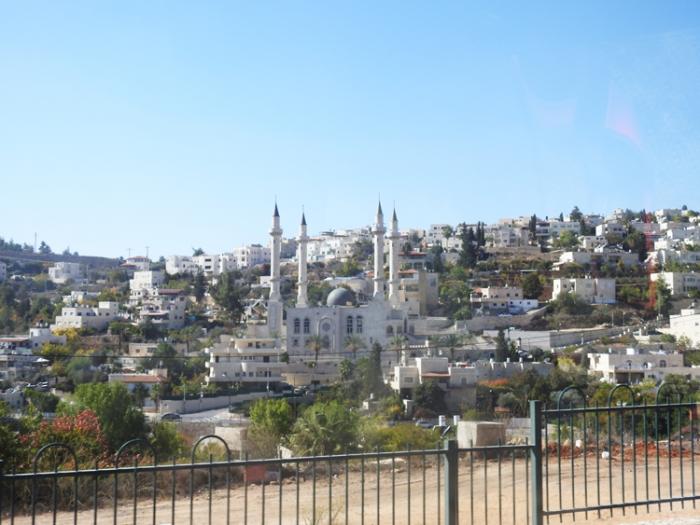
(376, 321)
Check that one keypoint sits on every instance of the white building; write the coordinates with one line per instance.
(165, 308)
(147, 380)
(687, 324)
(251, 255)
(611, 228)
(137, 263)
(506, 236)
(62, 272)
(679, 283)
(96, 318)
(599, 256)
(244, 360)
(501, 299)
(591, 290)
(665, 256)
(556, 228)
(214, 265)
(144, 284)
(635, 366)
(178, 264)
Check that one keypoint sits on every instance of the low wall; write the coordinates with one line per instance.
(206, 403)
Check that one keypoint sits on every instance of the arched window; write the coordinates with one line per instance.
(348, 325)
(389, 330)
(326, 342)
(297, 326)
(358, 324)
(662, 364)
(307, 326)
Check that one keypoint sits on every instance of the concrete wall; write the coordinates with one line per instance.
(206, 403)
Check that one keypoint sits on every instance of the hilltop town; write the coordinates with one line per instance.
(412, 330)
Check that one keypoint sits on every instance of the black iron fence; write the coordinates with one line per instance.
(579, 461)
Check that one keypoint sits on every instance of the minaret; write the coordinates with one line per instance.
(379, 254)
(394, 237)
(302, 300)
(274, 303)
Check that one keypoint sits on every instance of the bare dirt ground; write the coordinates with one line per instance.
(487, 494)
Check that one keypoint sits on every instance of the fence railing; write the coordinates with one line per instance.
(579, 461)
(620, 457)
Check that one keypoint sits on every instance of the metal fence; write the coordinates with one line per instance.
(578, 462)
(618, 458)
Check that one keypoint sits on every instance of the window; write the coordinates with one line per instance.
(297, 326)
(389, 330)
(662, 364)
(348, 327)
(358, 324)
(295, 342)
(307, 326)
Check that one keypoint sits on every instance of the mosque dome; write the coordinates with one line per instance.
(340, 297)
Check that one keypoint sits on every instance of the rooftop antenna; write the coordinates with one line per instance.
(128, 251)
(147, 247)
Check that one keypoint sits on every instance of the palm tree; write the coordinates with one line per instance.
(397, 343)
(447, 232)
(354, 343)
(451, 342)
(315, 343)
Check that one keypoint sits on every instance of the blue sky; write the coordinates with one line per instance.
(175, 124)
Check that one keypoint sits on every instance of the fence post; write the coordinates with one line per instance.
(451, 492)
(536, 460)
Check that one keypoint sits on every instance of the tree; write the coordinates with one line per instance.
(325, 428)
(532, 227)
(120, 418)
(229, 296)
(315, 343)
(575, 214)
(468, 254)
(197, 252)
(663, 297)
(532, 286)
(430, 396)
(451, 342)
(502, 346)
(354, 343)
(44, 248)
(566, 240)
(346, 368)
(274, 416)
(447, 232)
(200, 287)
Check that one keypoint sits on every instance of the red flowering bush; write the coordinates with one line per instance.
(82, 432)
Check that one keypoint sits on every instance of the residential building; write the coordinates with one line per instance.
(599, 257)
(665, 256)
(687, 324)
(147, 380)
(591, 290)
(143, 284)
(214, 265)
(419, 290)
(506, 236)
(679, 283)
(611, 229)
(80, 316)
(17, 359)
(62, 272)
(179, 264)
(635, 365)
(556, 228)
(251, 255)
(137, 263)
(134, 354)
(166, 307)
(244, 360)
(500, 300)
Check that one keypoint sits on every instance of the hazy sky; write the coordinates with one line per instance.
(175, 124)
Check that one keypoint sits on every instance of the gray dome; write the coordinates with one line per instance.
(339, 297)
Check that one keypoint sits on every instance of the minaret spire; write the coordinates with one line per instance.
(274, 303)
(302, 288)
(379, 254)
(394, 238)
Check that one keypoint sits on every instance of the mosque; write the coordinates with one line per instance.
(382, 317)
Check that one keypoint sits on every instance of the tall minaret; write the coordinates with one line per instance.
(379, 254)
(394, 237)
(302, 300)
(274, 303)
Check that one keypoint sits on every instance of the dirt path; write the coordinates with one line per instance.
(402, 501)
